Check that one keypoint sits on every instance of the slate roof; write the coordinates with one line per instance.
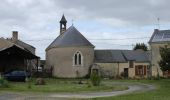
(63, 19)
(159, 36)
(136, 55)
(71, 37)
(108, 56)
(113, 56)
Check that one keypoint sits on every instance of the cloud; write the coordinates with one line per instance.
(132, 11)
(38, 20)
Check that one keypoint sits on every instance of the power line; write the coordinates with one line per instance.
(122, 38)
(117, 44)
(97, 39)
(101, 39)
(40, 40)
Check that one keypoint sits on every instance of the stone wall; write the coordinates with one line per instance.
(61, 59)
(116, 69)
(155, 56)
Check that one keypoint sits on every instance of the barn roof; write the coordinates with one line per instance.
(113, 56)
(108, 56)
(7, 47)
(71, 37)
(136, 55)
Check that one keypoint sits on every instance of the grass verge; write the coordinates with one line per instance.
(59, 85)
(162, 91)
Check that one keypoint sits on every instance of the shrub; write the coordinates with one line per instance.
(3, 83)
(95, 79)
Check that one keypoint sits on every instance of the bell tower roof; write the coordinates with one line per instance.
(63, 19)
(63, 24)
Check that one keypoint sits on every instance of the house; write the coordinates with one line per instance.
(72, 55)
(159, 38)
(16, 55)
(126, 63)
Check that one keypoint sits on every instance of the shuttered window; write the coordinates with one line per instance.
(140, 70)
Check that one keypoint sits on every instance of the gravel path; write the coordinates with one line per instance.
(66, 96)
(132, 88)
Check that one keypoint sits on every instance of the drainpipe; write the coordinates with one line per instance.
(150, 66)
(118, 69)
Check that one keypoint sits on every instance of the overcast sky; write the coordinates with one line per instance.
(126, 22)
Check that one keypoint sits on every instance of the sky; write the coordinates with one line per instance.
(107, 24)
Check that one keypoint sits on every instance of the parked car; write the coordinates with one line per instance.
(17, 75)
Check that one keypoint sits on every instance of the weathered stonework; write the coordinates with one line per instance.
(115, 69)
(156, 57)
(61, 59)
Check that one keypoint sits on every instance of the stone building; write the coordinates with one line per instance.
(125, 63)
(160, 38)
(72, 55)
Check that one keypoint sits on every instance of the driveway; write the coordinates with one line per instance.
(66, 96)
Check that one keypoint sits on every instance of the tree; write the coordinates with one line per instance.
(164, 63)
(141, 46)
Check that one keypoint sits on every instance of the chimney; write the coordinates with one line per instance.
(14, 36)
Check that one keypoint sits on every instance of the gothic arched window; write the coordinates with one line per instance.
(75, 59)
(78, 59)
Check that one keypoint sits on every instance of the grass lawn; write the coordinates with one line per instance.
(60, 85)
(161, 93)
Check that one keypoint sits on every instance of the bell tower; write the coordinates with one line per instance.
(63, 24)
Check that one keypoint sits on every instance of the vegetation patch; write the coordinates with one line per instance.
(62, 85)
(3, 83)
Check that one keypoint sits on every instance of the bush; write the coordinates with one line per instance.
(3, 83)
(40, 81)
(95, 79)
